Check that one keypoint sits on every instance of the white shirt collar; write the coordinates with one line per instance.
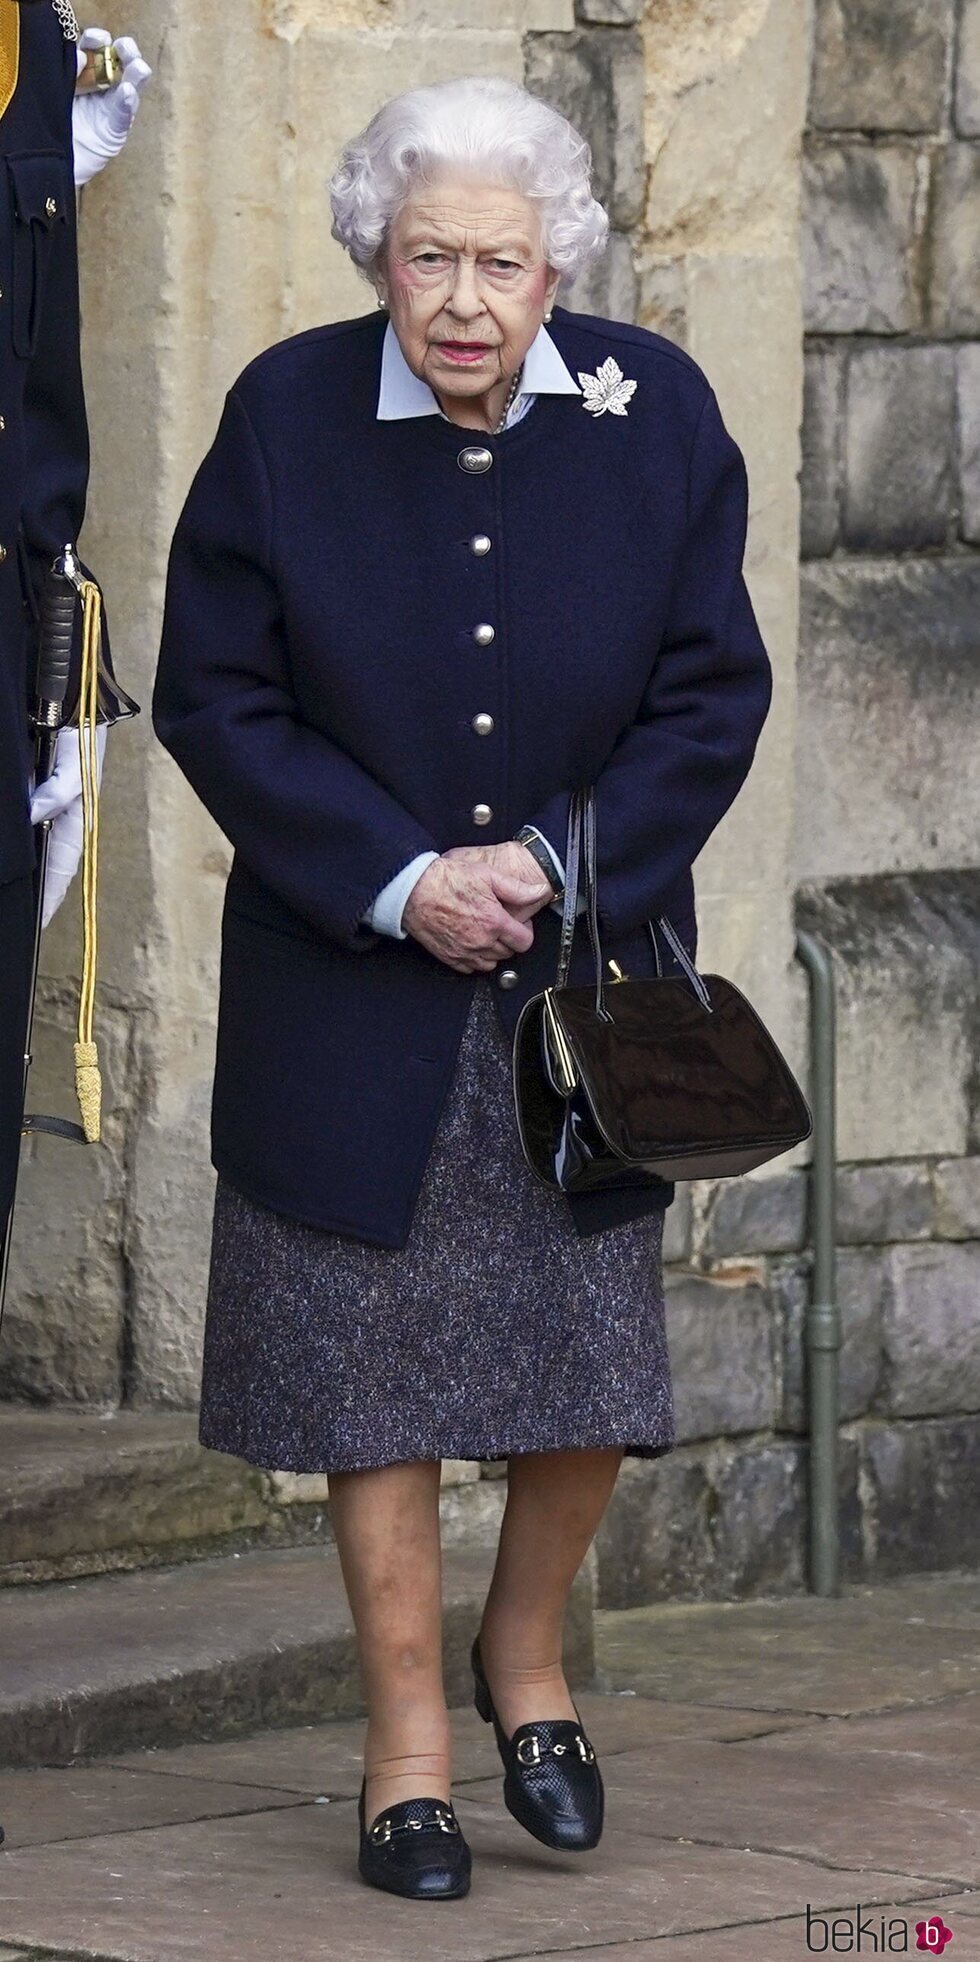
(403, 393)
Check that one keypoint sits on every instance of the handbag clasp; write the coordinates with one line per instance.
(562, 1060)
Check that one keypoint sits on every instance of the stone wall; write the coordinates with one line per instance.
(889, 803)
(884, 859)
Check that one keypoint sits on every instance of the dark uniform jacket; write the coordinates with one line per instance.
(318, 681)
(43, 437)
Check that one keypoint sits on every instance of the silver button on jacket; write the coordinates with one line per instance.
(481, 814)
(483, 634)
(480, 544)
(507, 977)
(474, 459)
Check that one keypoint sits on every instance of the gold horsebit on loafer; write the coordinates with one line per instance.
(383, 1830)
(585, 1751)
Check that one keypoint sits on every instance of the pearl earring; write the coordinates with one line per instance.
(548, 314)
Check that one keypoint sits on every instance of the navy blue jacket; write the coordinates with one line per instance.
(317, 684)
(44, 444)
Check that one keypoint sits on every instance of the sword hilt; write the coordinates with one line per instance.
(54, 649)
(58, 607)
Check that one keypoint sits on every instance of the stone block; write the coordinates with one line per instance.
(299, 1488)
(957, 1188)
(820, 480)
(886, 743)
(967, 93)
(931, 1330)
(84, 1494)
(470, 1515)
(921, 1481)
(608, 13)
(718, 1329)
(860, 239)
(712, 1523)
(880, 64)
(850, 1511)
(64, 1324)
(609, 286)
(758, 1523)
(654, 1542)
(677, 1225)
(899, 488)
(595, 78)
(968, 419)
(906, 952)
(954, 285)
(172, 1181)
(860, 1291)
(754, 1215)
(879, 1203)
(662, 303)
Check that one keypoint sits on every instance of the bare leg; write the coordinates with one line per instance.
(555, 1501)
(386, 1524)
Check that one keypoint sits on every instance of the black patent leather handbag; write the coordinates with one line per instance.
(626, 1082)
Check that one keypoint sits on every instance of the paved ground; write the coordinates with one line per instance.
(763, 1761)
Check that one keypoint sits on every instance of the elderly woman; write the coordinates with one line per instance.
(440, 567)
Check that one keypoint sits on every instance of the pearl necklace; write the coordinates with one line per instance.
(508, 405)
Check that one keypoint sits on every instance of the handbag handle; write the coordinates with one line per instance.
(582, 832)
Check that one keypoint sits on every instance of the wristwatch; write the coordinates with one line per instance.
(539, 852)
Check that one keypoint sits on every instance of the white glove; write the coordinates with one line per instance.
(101, 121)
(60, 798)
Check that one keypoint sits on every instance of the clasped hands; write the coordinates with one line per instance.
(473, 906)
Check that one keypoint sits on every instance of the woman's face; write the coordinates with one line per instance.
(466, 283)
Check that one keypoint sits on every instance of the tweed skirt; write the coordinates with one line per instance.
(497, 1329)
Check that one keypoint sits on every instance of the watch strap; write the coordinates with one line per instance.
(535, 844)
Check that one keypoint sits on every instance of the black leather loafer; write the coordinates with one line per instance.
(552, 1782)
(416, 1849)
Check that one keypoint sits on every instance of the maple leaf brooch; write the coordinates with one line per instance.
(606, 389)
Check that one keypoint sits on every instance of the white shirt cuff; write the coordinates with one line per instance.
(385, 915)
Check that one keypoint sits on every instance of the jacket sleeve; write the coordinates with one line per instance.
(308, 820)
(674, 772)
(56, 446)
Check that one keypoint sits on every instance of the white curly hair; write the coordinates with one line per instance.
(485, 124)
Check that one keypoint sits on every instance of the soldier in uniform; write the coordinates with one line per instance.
(43, 449)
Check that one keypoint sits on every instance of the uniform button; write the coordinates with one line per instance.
(51, 207)
(483, 634)
(474, 459)
(483, 724)
(480, 544)
(508, 977)
(3, 553)
(3, 424)
(481, 813)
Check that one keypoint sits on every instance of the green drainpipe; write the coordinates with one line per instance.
(823, 1318)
